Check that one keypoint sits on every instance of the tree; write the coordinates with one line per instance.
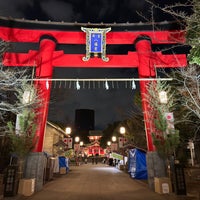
(165, 136)
(108, 133)
(23, 138)
(135, 132)
(23, 104)
(187, 80)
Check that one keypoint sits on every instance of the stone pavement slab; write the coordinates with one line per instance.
(97, 182)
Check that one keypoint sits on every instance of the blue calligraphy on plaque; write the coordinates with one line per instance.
(96, 43)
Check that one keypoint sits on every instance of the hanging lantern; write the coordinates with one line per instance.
(163, 97)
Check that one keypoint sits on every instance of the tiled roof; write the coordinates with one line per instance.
(35, 24)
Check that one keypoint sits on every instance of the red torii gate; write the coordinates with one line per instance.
(48, 57)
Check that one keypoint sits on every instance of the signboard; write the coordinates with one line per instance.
(68, 142)
(95, 43)
(122, 141)
(117, 156)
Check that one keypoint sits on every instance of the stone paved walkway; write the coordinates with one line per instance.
(97, 182)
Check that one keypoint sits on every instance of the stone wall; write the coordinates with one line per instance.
(155, 167)
(35, 167)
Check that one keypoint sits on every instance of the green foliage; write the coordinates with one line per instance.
(161, 122)
(69, 153)
(108, 133)
(166, 145)
(193, 33)
(135, 133)
(194, 56)
(165, 138)
(137, 99)
(24, 140)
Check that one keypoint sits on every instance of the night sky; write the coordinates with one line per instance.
(106, 11)
(109, 105)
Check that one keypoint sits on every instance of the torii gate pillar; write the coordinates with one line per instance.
(44, 70)
(145, 70)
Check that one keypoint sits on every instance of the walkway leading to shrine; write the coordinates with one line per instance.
(97, 182)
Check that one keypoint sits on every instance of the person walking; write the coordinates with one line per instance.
(96, 158)
(92, 159)
(85, 158)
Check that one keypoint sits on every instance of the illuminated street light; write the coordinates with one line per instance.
(114, 138)
(68, 130)
(114, 144)
(109, 143)
(122, 130)
(81, 143)
(77, 139)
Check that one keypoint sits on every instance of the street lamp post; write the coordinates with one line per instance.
(67, 138)
(76, 145)
(76, 149)
(108, 148)
(81, 151)
(122, 131)
(114, 144)
(81, 146)
(109, 143)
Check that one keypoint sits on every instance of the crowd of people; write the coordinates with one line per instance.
(95, 159)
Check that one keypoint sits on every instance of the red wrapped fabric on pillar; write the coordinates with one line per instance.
(146, 70)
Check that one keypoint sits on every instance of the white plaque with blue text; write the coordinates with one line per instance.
(96, 43)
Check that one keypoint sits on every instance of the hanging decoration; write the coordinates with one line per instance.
(78, 87)
(106, 85)
(95, 43)
(133, 85)
(47, 84)
(97, 83)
